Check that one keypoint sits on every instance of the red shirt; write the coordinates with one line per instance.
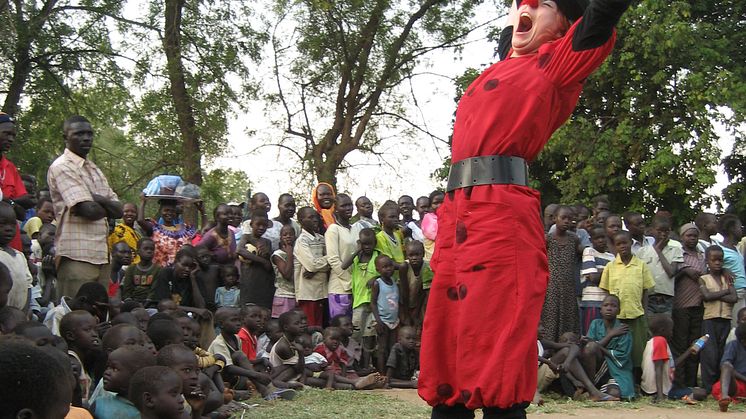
(12, 187)
(336, 359)
(248, 343)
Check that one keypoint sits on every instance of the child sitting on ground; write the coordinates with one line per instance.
(629, 278)
(252, 324)
(608, 348)
(658, 365)
(385, 307)
(285, 356)
(718, 295)
(349, 346)
(740, 318)
(156, 392)
(732, 382)
(139, 277)
(316, 366)
(78, 328)
(595, 259)
(229, 295)
(403, 363)
(198, 390)
(120, 366)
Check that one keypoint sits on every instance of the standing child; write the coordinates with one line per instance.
(229, 294)
(385, 307)
(629, 278)
(390, 240)
(404, 361)
(732, 371)
(415, 285)
(362, 271)
(311, 270)
(156, 392)
(560, 312)
(610, 346)
(20, 293)
(257, 275)
(658, 365)
(731, 229)
(284, 265)
(429, 223)
(139, 277)
(719, 295)
(612, 225)
(595, 259)
(121, 364)
(663, 259)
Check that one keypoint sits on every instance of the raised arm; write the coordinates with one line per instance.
(597, 24)
(146, 225)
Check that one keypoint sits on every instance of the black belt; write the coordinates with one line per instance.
(487, 170)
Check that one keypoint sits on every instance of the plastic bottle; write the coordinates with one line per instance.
(699, 343)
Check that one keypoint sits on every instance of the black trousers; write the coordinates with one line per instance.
(687, 327)
(459, 411)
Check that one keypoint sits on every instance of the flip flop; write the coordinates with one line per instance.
(607, 398)
(688, 400)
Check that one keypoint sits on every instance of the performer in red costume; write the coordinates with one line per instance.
(479, 338)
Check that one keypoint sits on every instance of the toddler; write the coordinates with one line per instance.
(403, 362)
(385, 307)
(229, 294)
(121, 364)
(139, 277)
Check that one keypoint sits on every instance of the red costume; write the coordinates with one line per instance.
(479, 336)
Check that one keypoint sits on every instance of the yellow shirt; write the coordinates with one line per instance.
(628, 282)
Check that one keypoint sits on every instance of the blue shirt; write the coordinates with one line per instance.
(735, 353)
(115, 407)
(227, 297)
(733, 262)
(388, 303)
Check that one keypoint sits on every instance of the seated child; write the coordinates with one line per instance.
(199, 391)
(228, 295)
(350, 346)
(316, 366)
(91, 297)
(732, 382)
(609, 348)
(163, 332)
(78, 328)
(403, 364)
(139, 277)
(252, 324)
(718, 295)
(38, 334)
(337, 360)
(658, 365)
(595, 259)
(120, 366)
(156, 392)
(385, 307)
(740, 318)
(10, 317)
(46, 396)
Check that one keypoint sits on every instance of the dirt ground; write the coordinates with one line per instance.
(611, 411)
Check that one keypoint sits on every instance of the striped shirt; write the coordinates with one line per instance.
(593, 262)
(72, 180)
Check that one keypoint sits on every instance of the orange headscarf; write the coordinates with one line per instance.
(326, 214)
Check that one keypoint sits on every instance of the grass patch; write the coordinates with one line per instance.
(554, 403)
(316, 403)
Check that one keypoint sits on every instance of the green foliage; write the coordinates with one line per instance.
(224, 185)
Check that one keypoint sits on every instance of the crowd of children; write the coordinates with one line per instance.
(265, 307)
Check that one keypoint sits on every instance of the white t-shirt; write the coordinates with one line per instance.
(656, 349)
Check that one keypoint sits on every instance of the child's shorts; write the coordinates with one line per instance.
(740, 390)
(363, 321)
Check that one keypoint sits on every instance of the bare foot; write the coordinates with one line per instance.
(367, 381)
(723, 404)
(603, 397)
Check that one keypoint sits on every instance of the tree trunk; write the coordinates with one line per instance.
(179, 93)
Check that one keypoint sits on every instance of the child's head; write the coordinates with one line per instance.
(287, 235)
(290, 323)
(121, 253)
(364, 207)
(436, 198)
(332, 336)
(37, 333)
(78, 328)
(388, 216)
(661, 227)
(47, 233)
(730, 227)
(93, 298)
(164, 332)
(422, 205)
(564, 217)
(406, 205)
(252, 318)
(343, 206)
(146, 249)
(660, 325)
(167, 306)
(142, 316)
(229, 320)
(367, 241)
(156, 392)
(714, 258)
(6, 283)
(344, 323)
(183, 361)
(623, 244)
(45, 210)
(306, 342)
(204, 256)
(601, 218)
(610, 307)
(44, 396)
(408, 337)
(612, 225)
(308, 219)
(741, 333)
(259, 223)
(707, 223)
(10, 317)
(415, 253)
(184, 263)
(222, 214)
(124, 318)
(186, 324)
(120, 335)
(273, 330)
(635, 223)
(741, 315)
(384, 266)
(599, 239)
(122, 363)
(689, 235)
(7, 223)
(569, 337)
(229, 275)
(600, 203)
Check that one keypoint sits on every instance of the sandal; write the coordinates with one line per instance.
(723, 404)
(607, 398)
(688, 400)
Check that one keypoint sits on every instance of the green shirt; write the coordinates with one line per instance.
(360, 274)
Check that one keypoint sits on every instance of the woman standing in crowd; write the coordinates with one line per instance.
(169, 235)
